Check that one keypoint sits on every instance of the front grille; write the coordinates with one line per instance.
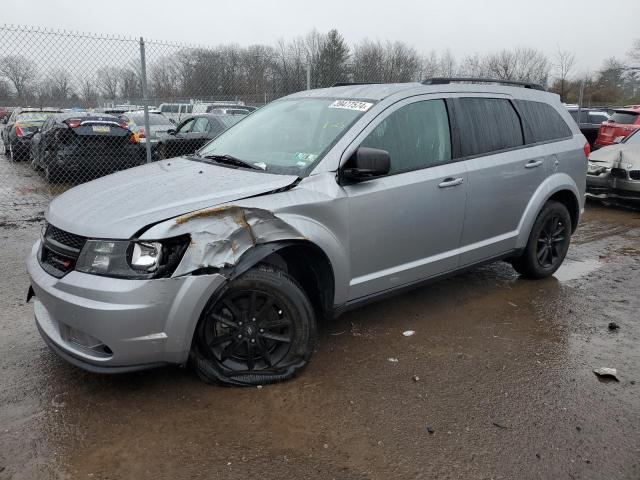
(65, 238)
(634, 174)
(60, 250)
(619, 173)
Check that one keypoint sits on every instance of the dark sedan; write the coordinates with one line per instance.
(20, 128)
(80, 146)
(192, 133)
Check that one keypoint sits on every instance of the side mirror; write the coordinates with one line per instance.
(171, 131)
(367, 163)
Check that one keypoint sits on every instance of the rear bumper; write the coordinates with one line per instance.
(109, 325)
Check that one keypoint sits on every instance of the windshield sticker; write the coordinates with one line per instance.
(351, 105)
(304, 159)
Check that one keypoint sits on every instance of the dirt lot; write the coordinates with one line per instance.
(504, 385)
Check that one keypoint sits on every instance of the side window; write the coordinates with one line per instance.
(174, 108)
(216, 127)
(416, 136)
(200, 125)
(164, 108)
(186, 126)
(543, 121)
(597, 118)
(189, 108)
(488, 125)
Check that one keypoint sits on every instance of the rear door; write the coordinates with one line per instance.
(177, 144)
(502, 174)
(406, 226)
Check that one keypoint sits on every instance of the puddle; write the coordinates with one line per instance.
(571, 270)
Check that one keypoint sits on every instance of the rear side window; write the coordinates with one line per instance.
(598, 117)
(543, 122)
(625, 118)
(488, 125)
(416, 136)
(174, 108)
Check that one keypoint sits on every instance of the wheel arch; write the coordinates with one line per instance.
(559, 187)
(305, 261)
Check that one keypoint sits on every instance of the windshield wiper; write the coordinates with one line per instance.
(231, 160)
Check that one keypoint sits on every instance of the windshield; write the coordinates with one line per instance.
(32, 117)
(288, 136)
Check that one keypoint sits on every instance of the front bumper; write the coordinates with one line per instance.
(604, 186)
(111, 325)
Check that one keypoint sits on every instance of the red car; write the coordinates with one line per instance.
(621, 124)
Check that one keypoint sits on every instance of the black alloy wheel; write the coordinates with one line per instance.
(259, 329)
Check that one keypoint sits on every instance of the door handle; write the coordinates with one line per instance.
(451, 182)
(533, 163)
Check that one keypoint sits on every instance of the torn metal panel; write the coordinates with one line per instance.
(220, 236)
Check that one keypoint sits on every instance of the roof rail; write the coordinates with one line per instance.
(447, 80)
(348, 84)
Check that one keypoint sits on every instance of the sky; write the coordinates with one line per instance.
(463, 27)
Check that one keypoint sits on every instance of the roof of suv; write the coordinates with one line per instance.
(379, 91)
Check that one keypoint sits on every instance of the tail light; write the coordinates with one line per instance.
(587, 149)
(19, 132)
(124, 125)
(133, 138)
(73, 122)
(141, 132)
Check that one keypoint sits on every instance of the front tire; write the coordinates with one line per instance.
(260, 329)
(548, 243)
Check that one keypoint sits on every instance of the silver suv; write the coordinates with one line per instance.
(316, 203)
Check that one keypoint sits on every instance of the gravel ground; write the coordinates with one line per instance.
(497, 381)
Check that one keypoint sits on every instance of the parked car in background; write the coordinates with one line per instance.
(180, 111)
(590, 121)
(621, 124)
(229, 110)
(614, 171)
(315, 204)
(20, 128)
(158, 125)
(192, 133)
(77, 146)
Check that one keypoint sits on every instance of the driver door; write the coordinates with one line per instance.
(407, 225)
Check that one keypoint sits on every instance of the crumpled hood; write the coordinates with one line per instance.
(119, 205)
(617, 156)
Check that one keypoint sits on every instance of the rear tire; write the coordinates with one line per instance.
(548, 243)
(53, 174)
(259, 329)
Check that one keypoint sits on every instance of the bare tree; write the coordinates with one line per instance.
(634, 53)
(521, 64)
(21, 72)
(88, 93)
(564, 63)
(108, 80)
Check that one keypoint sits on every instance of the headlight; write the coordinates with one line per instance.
(595, 169)
(135, 260)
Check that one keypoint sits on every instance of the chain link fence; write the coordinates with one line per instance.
(78, 106)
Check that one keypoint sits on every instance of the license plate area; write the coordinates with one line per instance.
(101, 129)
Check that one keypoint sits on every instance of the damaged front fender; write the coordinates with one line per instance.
(221, 236)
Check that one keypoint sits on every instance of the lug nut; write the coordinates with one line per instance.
(253, 319)
(239, 323)
(253, 340)
(262, 330)
(239, 336)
